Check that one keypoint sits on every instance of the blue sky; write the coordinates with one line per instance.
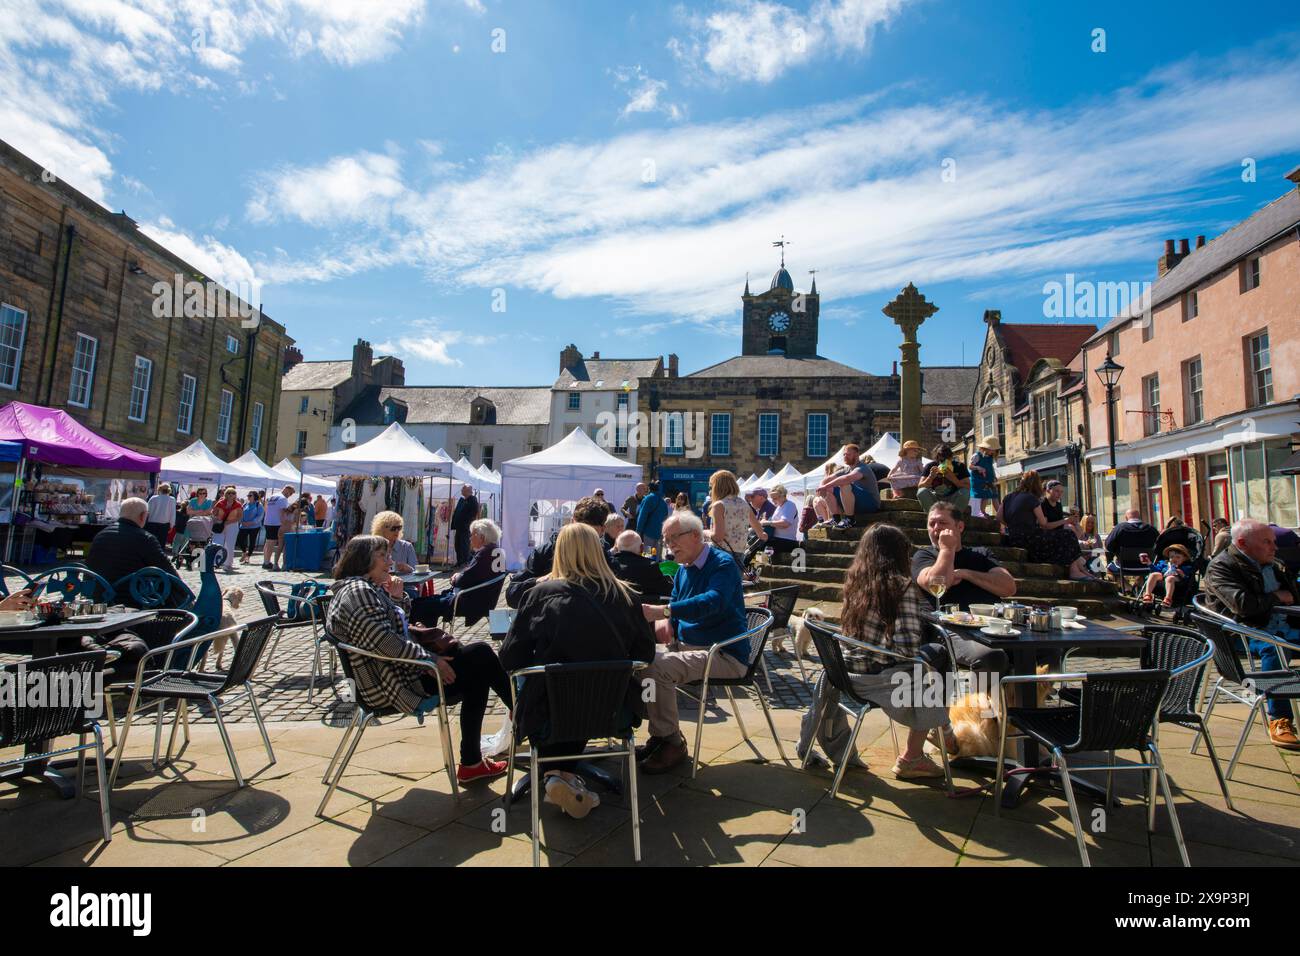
(379, 169)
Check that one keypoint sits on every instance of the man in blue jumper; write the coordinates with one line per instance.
(650, 515)
(707, 606)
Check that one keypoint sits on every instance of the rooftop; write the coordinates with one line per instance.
(948, 384)
(1029, 342)
(592, 374)
(450, 404)
(778, 366)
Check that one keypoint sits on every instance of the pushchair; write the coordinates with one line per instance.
(1134, 577)
(197, 534)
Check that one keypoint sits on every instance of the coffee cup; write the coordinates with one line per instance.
(1000, 626)
(12, 618)
(1068, 613)
(422, 568)
(984, 610)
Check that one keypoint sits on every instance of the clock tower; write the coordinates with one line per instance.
(780, 321)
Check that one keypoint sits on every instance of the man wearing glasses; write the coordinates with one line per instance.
(707, 606)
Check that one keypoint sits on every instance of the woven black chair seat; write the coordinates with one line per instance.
(1050, 726)
(1284, 684)
(186, 685)
(1190, 721)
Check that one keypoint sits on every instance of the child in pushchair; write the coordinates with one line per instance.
(1174, 575)
(197, 535)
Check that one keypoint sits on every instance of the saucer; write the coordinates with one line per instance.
(992, 633)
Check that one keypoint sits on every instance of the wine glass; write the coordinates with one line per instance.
(937, 587)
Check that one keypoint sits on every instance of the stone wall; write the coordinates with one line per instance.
(111, 269)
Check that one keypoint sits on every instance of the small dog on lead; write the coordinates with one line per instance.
(802, 636)
(231, 598)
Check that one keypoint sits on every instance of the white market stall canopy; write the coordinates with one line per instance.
(788, 476)
(393, 453)
(292, 476)
(265, 475)
(197, 465)
(571, 468)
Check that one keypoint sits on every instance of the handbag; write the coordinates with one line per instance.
(437, 641)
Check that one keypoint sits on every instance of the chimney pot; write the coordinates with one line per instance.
(1169, 247)
(1182, 247)
(595, 355)
(672, 365)
(1200, 241)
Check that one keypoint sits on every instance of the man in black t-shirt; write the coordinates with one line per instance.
(944, 479)
(971, 576)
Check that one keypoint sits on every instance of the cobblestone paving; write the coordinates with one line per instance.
(283, 683)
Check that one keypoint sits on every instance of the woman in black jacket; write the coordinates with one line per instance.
(579, 612)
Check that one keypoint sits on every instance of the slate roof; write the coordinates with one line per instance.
(450, 404)
(306, 376)
(948, 384)
(1279, 216)
(778, 366)
(611, 372)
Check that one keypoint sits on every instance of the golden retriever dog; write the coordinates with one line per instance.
(976, 724)
(232, 598)
(802, 636)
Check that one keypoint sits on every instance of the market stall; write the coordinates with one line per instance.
(67, 483)
(290, 475)
(391, 472)
(539, 489)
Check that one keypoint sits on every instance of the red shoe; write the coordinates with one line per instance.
(484, 770)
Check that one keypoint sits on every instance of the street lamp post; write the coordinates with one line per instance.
(1109, 372)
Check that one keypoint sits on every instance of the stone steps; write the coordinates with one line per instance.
(1028, 590)
(1088, 607)
(831, 568)
(848, 543)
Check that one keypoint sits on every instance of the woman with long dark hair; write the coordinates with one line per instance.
(370, 611)
(1047, 541)
(883, 607)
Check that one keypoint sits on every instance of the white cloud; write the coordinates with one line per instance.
(427, 341)
(644, 93)
(345, 189)
(669, 221)
(212, 257)
(759, 40)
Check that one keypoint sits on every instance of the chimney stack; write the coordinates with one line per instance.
(292, 356)
(895, 371)
(991, 317)
(1171, 258)
(570, 358)
(595, 356)
(672, 365)
(1200, 241)
(362, 359)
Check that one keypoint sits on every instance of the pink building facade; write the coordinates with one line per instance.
(1207, 406)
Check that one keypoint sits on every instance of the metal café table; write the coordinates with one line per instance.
(44, 639)
(1023, 652)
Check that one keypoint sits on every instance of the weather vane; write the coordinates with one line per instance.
(782, 243)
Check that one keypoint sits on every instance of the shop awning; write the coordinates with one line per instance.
(51, 436)
(1291, 466)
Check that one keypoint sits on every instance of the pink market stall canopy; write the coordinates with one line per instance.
(50, 436)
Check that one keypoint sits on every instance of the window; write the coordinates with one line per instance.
(994, 424)
(225, 414)
(1151, 403)
(83, 371)
(622, 399)
(1114, 343)
(301, 448)
(185, 414)
(674, 443)
(1046, 423)
(1261, 369)
(1148, 324)
(1191, 306)
(720, 435)
(769, 435)
(1194, 409)
(302, 405)
(575, 401)
(488, 456)
(462, 451)
(1250, 274)
(13, 332)
(258, 411)
(140, 382)
(819, 429)
(232, 345)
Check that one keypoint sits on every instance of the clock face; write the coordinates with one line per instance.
(778, 321)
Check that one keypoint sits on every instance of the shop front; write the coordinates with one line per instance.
(693, 481)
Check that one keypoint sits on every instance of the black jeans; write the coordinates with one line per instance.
(462, 545)
(430, 610)
(778, 546)
(477, 671)
(159, 530)
(555, 750)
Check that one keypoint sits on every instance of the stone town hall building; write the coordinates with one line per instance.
(777, 401)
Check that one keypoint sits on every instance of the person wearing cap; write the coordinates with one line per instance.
(983, 477)
(906, 473)
(1171, 572)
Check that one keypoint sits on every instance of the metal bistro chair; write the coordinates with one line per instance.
(363, 715)
(182, 686)
(489, 594)
(22, 725)
(584, 702)
(151, 588)
(1258, 686)
(758, 623)
(830, 643)
(8, 571)
(1116, 711)
(165, 627)
(74, 581)
(781, 602)
(298, 611)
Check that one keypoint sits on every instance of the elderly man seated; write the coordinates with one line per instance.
(1246, 582)
(484, 538)
(125, 547)
(707, 606)
(615, 524)
(641, 572)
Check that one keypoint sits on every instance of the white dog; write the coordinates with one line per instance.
(802, 636)
(232, 598)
